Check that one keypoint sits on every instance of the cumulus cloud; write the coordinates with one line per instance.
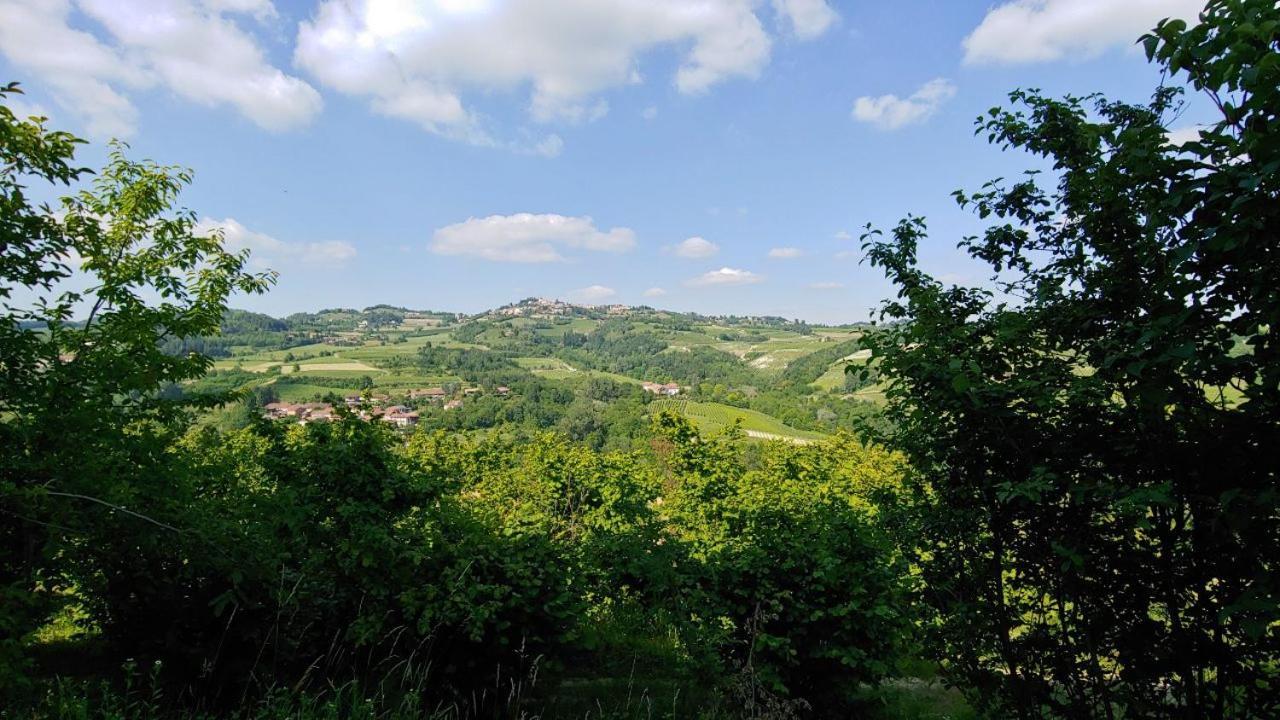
(807, 18)
(785, 253)
(195, 50)
(843, 235)
(1022, 31)
(527, 238)
(654, 292)
(890, 112)
(592, 295)
(724, 276)
(267, 251)
(826, 285)
(418, 60)
(696, 247)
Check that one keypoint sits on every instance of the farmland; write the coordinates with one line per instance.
(728, 371)
(716, 418)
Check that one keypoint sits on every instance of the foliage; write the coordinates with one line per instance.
(82, 419)
(777, 548)
(1097, 517)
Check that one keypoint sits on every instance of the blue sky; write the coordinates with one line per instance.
(462, 154)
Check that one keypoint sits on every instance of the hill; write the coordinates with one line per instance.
(575, 368)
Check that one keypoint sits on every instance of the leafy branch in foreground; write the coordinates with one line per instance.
(81, 415)
(1094, 446)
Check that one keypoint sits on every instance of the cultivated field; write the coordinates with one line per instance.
(717, 417)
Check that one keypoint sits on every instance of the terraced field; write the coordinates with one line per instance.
(716, 418)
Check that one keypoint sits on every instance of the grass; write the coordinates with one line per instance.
(833, 378)
(557, 369)
(716, 417)
(777, 356)
(540, 363)
(625, 697)
(290, 392)
(614, 376)
(916, 699)
(571, 373)
(578, 325)
(409, 379)
(337, 371)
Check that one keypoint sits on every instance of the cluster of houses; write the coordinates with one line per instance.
(304, 413)
(535, 307)
(375, 408)
(668, 389)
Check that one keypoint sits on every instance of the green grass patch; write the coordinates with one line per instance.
(295, 392)
(716, 417)
(542, 363)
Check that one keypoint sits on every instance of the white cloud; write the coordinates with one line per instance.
(843, 235)
(890, 112)
(416, 60)
(261, 10)
(22, 109)
(806, 18)
(654, 292)
(696, 247)
(594, 294)
(725, 276)
(649, 113)
(549, 146)
(527, 238)
(266, 251)
(1022, 31)
(82, 74)
(194, 50)
(826, 285)
(785, 253)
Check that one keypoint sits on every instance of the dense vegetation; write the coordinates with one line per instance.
(1097, 519)
(1059, 495)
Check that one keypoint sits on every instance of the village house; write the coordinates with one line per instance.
(323, 413)
(433, 394)
(304, 412)
(400, 416)
(453, 405)
(277, 410)
(471, 391)
(502, 390)
(669, 389)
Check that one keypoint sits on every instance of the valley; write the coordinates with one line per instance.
(572, 368)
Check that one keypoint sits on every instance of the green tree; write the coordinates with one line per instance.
(796, 583)
(1094, 446)
(81, 418)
